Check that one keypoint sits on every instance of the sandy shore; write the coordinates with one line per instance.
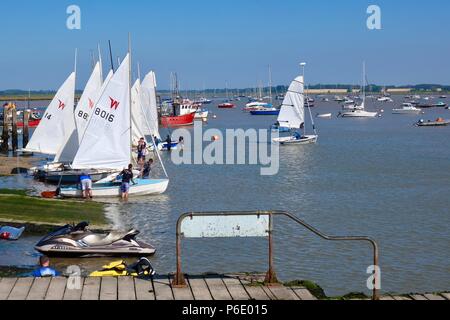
(13, 165)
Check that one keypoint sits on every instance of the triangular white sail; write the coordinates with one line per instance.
(292, 113)
(82, 113)
(57, 123)
(137, 117)
(106, 143)
(150, 105)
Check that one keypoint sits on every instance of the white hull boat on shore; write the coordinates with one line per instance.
(112, 189)
(325, 115)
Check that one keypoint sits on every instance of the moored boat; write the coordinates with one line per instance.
(226, 105)
(265, 112)
(407, 108)
(440, 122)
(178, 121)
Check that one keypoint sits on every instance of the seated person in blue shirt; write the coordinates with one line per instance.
(297, 136)
(45, 270)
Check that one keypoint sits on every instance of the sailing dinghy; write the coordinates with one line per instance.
(107, 141)
(292, 115)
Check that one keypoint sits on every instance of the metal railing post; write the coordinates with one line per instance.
(271, 277)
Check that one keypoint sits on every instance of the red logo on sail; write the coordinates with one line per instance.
(62, 105)
(114, 103)
(91, 104)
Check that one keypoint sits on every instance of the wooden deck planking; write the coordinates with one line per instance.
(282, 293)
(144, 289)
(303, 293)
(39, 289)
(199, 288)
(181, 293)
(256, 292)
(235, 288)
(6, 286)
(108, 288)
(21, 289)
(218, 289)
(446, 295)
(163, 289)
(418, 297)
(431, 296)
(401, 298)
(91, 288)
(74, 294)
(56, 289)
(126, 288)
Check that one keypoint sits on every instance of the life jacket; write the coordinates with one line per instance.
(120, 269)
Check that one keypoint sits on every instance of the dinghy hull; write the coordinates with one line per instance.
(108, 190)
(294, 141)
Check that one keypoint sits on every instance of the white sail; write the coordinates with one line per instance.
(57, 123)
(150, 105)
(137, 116)
(82, 113)
(106, 143)
(292, 113)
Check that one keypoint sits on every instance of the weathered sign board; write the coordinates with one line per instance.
(225, 226)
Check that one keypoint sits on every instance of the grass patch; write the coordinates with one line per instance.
(20, 208)
(13, 192)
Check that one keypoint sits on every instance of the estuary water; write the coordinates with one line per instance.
(381, 177)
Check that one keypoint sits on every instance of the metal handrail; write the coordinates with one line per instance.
(271, 277)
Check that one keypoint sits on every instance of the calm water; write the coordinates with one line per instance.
(382, 177)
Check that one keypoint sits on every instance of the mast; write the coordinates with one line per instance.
(100, 60)
(111, 56)
(270, 83)
(129, 93)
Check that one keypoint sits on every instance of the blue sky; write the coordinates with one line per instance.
(210, 42)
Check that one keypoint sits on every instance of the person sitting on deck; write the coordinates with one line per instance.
(127, 177)
(45, 270)
(86, 185)
(297, 136)
(147, 169)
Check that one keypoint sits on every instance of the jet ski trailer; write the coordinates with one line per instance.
(77, 241)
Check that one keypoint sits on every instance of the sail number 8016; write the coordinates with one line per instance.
(103, 114)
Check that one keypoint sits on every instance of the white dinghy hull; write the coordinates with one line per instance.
(294, 141)
(108, 190)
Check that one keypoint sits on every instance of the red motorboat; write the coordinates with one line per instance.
(177, 121)
(226, 106)
(31, 123)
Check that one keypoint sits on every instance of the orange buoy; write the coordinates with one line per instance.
(215, 138)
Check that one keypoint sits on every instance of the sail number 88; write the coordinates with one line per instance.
(103, 114)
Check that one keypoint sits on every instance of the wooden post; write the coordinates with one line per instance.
(14, 136)
(5, 135)
(26, 132)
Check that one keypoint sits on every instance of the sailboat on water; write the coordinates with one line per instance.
(359, 111)
(292, 116)
(108, 140)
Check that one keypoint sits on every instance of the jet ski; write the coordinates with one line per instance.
(142, 268)
(78, 241)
